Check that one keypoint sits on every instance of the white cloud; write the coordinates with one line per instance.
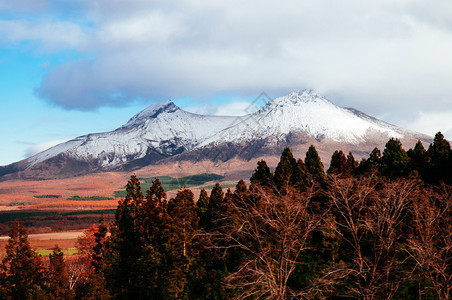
(239, 108)
(430, 122)
(36, 148)
(51, 35)
(382, 57)
(448, 135)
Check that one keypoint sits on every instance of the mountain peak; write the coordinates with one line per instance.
(164, 130)
(152, 112)
(297, 98)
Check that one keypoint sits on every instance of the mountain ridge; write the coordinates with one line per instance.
(163, 132)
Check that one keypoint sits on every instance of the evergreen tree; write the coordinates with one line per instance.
(375, 158)
(99, 253)
(126, 244)
(95, 287)
(183, 250)
(352, 164)
(262, 175)
(241, 189)
(419, 160)
(22, 269)
(214, 207)
(57, 277)
(371, 164)
(157, 191)
(440, 155)
(228, 194)
(338, 163)
(155, 228)
(291, 173)
(300, 179)
(216, 197)
(314, 164)
(394, 161)
(202, 205)
(284, 170)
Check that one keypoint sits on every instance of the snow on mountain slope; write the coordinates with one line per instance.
(306, 112)
(164, 130)
(163, 127)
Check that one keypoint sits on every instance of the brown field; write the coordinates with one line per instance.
(46, 241)
(15, 192)
(46, 232)
(101, 184)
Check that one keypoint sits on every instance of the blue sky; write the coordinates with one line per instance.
(69, 68)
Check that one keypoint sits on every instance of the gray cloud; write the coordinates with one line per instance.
(382, 57)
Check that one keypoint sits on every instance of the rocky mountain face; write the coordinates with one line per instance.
(164, 132)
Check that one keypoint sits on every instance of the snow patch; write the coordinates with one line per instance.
(169, 130)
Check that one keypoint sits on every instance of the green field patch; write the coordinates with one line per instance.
(90, 198)
(172, 183)
(120, 194)
(223, 186)
(47, 196)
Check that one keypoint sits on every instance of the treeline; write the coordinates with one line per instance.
(43, 221)
(379, 228)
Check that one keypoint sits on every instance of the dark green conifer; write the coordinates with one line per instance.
(202, 205)
(300, 177)
(155, 213)
(228, 194)
(214, 207)
(394, 161)
(57, 277)
(156, 191)
(95, 286)
(284, 170)
(262, 175)
(156, 232)
(314, 164)
(241, 188)
(352, 164)
(440, 155)
(99, 252)
(127, 244)
(216, 197)
(419, 160)
(375, 158)
(183, 246)
(22, 270)
(338, 163)
(371, 164)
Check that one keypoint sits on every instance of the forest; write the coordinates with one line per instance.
(379, 228)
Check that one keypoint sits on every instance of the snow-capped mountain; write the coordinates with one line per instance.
(163, 128)
(312, 114)
(164, 131)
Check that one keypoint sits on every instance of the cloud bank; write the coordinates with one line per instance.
(382, 57)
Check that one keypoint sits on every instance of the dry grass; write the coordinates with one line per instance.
(102, 184)
(47, 241)
(75, 205)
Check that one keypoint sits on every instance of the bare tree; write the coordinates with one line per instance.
(369, 220)
(431, 244)
(78, 267)
(272, 232)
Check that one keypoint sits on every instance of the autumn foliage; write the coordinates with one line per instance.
(375, 229)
